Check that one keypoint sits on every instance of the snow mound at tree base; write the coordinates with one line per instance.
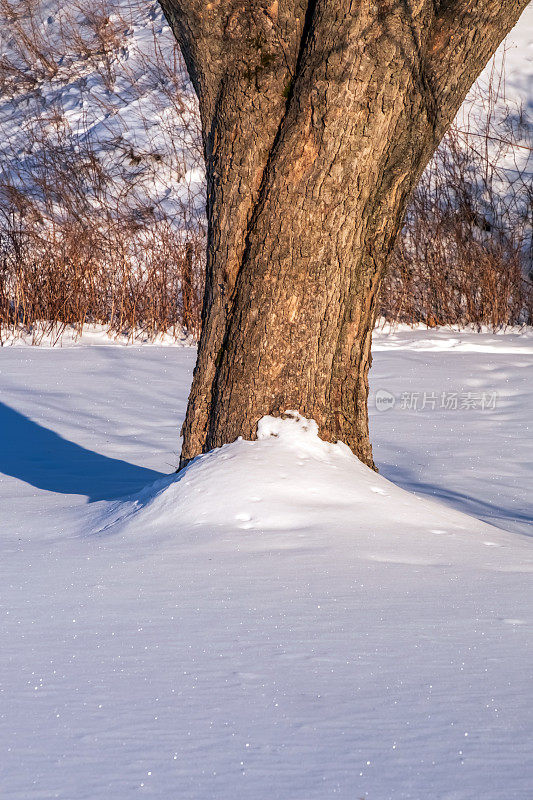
(290, 490)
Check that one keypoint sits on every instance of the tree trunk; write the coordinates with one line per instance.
(318, 120)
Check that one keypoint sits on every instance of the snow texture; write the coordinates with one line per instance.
(277, 621)
(134, 120)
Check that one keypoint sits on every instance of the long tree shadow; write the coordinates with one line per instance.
(42, 458)
(506, 516)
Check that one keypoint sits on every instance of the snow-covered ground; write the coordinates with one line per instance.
(517, 50)
(98, 81)
(279, 623)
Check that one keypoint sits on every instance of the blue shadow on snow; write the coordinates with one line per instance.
(508, 517)
(42, 458)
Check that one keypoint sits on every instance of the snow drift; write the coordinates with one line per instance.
(289, 490)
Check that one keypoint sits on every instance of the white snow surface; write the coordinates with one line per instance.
(45, 334)
(517, 50)
(278, 621)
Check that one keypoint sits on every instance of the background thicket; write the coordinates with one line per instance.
(102, 187)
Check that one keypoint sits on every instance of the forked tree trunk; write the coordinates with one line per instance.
(318, 118)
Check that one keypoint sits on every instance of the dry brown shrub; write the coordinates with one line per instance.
(464, 256)
(81, 239)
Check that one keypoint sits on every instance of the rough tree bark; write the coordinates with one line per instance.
(318, 118)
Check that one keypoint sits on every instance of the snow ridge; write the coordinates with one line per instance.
(289, 489)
